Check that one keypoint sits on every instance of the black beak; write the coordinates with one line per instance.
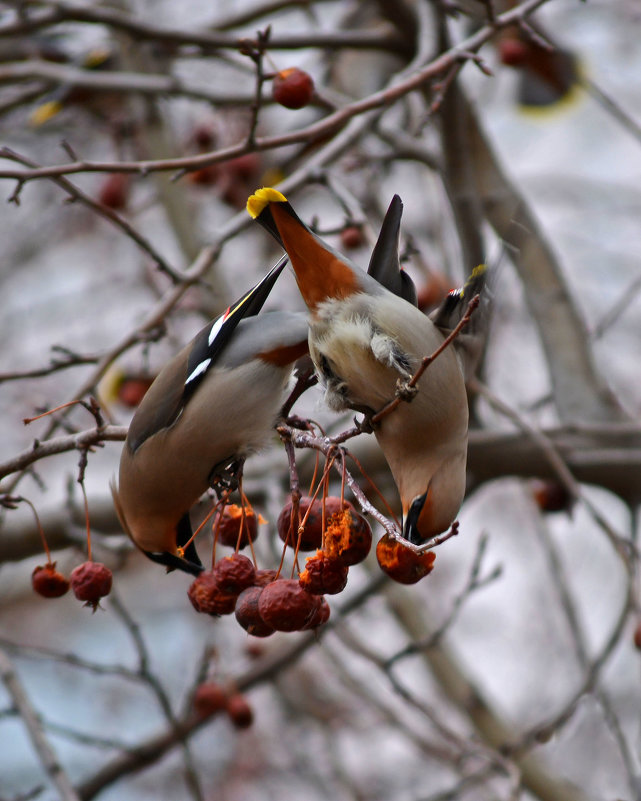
(410, 527)
(191, 562)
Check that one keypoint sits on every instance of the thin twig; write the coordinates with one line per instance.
(29, 717)
(426, 361)
(102, 211)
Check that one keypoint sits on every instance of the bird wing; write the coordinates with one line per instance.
(182, 376)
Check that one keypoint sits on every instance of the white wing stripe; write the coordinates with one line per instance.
(201, 368)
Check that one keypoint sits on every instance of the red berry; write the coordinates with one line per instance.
(551, 496)
(204, 137)
(228, 524)
(513, 52)
(206, 596)
(247, 613)
(285, 606)
(637, 636)
(433, 292)
(320, 616)
(403, 564)
(205, 176)
(351, 237)
(348, 537)
(240, 712)
(234, 574)
(245, 166)
(133, 390)
(48, 582)
(323, 575)
(312, 535)
(292, 88)
(90, 582)
(209, 698)
(114, 191)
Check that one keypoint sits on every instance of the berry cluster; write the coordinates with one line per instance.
(264, 602)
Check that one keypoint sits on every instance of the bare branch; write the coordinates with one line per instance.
(29, 716)
(72, 442)
(311, 133)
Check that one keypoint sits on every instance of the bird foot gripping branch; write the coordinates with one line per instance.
(405, 391)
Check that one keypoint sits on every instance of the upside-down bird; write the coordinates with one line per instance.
(364, 339)
(211, 405)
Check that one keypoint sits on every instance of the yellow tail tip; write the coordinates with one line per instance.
(261, 198)
(45, 112)
(110, 384)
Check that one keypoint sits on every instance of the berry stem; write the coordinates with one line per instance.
(86, 503)
(40, 529)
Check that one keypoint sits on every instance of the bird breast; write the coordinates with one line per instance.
(362, 346)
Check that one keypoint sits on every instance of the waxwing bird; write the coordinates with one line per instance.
(212, 404)
(363, 338)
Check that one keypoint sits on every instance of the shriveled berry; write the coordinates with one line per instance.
(320, 616)
(312, 534)
(206, 595)
(234, 573)
(265, 577)
(287, 525)
(90, 582)
(323, 575)
(48, 582)
(351, 237)
(551, 496)
(292, 88)
(285, 606)
(637, 636)
(348, 537)
(240, 712)
(114, 191)
(247, 613)
(209, 698)
(232, 529)
(403, 564)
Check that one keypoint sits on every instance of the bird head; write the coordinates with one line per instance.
(321, 273)
(178, 533)
(431, 512)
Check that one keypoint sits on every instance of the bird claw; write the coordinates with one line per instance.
(297, 422)
(405, 391)
(227, 477)
(365, 425)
